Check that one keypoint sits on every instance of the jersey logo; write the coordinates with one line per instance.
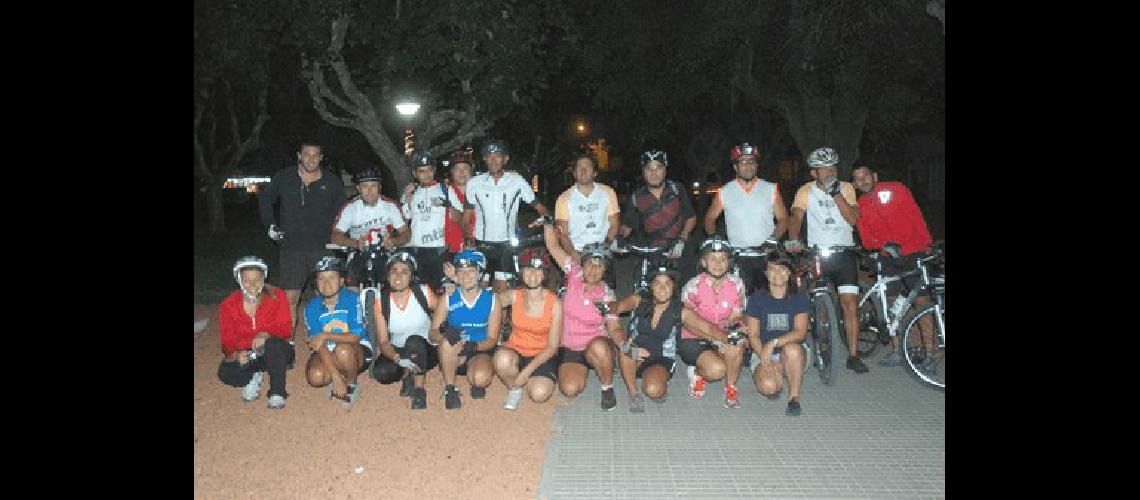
(778, 323)
(884, 197)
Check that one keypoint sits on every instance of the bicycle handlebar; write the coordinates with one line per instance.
(640, 251)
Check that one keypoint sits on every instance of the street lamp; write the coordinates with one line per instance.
(581, 127)
(408, 109)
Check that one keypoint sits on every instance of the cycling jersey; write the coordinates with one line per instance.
(826, 226)
(452, 231)
(356, 218)
(889, 213)
(529, 334)
(427, 210)
(748, 215)
(581, 320)
(306, 211)
(777, 316)
(344, 318)
(586, 216)
(661, 219)
(407, 319)
(712, 304)
(472, 319)
(497, 204)
(662, 340)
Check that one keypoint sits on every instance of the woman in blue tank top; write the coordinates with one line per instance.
(467, 330)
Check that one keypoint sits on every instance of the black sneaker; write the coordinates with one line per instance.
(419, 398)
(793, 408)
(478, 392)
(609, 399)
(856, 365)
(451, 398)
(407, 386)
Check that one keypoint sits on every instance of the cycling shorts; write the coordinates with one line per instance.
(843, 269)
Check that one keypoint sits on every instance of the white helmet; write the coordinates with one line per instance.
(823, 157)
(250, 261)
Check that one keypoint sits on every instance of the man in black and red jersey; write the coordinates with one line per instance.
(662, 211)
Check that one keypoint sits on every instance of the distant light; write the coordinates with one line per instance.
(696, 184)
(407, 108)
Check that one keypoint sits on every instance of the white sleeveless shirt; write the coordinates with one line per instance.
(412, 320)
(748, 215)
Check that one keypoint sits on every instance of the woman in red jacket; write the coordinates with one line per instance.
(256, 327)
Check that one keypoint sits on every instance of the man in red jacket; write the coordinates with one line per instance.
(890, 215)
(256, 326)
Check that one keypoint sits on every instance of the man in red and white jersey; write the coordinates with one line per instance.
(364, 213)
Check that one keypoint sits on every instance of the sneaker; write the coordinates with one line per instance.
(253, 389)
(514, 397)
(635, 404)
(609, 399)
(730, 400)
(276, 402)
(856, 365)
(891, 360)
(419, 398)
(793, 408)
(697, 387)
(478, 392)
(353, 394)
(407, 386)
(451, 398)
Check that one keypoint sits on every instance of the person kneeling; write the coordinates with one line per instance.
(466, 327)
(339, 350)
(528, 359)
(777, 321)
(402, 330)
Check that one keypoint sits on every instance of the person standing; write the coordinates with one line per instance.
(428, 205)
(662, 210)
(458, 226)
(368, 212)
(587, 212)
(309, 197)
(750, 204)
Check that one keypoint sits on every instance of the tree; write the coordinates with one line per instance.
(472, 63)
(228, 119)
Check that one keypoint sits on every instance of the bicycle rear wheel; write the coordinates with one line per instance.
(925, 355)
(824, 329)
(368, 301)
(872, 333)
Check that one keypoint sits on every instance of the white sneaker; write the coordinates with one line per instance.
(253, 389)
(276, 402)
(514, 397)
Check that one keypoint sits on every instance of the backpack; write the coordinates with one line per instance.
(417, 292)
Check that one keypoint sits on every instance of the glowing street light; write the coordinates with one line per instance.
(407, 108)
(581, 127)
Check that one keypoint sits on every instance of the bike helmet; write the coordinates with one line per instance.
(823, 157)
(745, 149)
(496, 146)
(470, 258)
(715, 243)
(327, 263)
(368, 174)
(654, 154)
(461, 156)
(665, 267)
(250, 261)
(402, 256)
(534, 257)
(422, 158)
(596, 251)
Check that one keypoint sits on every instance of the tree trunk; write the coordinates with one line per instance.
(214, 207)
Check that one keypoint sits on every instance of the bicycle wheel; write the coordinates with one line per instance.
(824, 331)
(871, 331)
(925, 355)
(369, 318)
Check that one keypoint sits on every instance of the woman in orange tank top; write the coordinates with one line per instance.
(528, 359)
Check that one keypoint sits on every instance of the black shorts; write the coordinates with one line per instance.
(368, 354)
(669, 363)
(892, 266)
(429, 265)
(549, 369)
(843, 270)
(296, 266)
(567, 355)
(498, 256)
(691, 349)
(462, 368)
(432, 356)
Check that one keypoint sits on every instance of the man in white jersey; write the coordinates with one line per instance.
(428, 204)
(586, 212)
(749, 205)
(367, 212)
(832, 211)
(494, 198)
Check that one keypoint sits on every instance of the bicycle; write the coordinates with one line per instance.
(926, 358)
(647, 254)
(374, 256)
(824, 320)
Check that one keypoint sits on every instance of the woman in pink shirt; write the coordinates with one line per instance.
(587, 336)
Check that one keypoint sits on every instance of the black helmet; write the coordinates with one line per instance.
(368, 174)
(654, 154)
(665, 267)
(496, 146)
(328, 263)
(715, 243)
(402, 256)
(596, 251)
(422, 158)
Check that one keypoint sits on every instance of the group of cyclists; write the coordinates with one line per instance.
(445, 241)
